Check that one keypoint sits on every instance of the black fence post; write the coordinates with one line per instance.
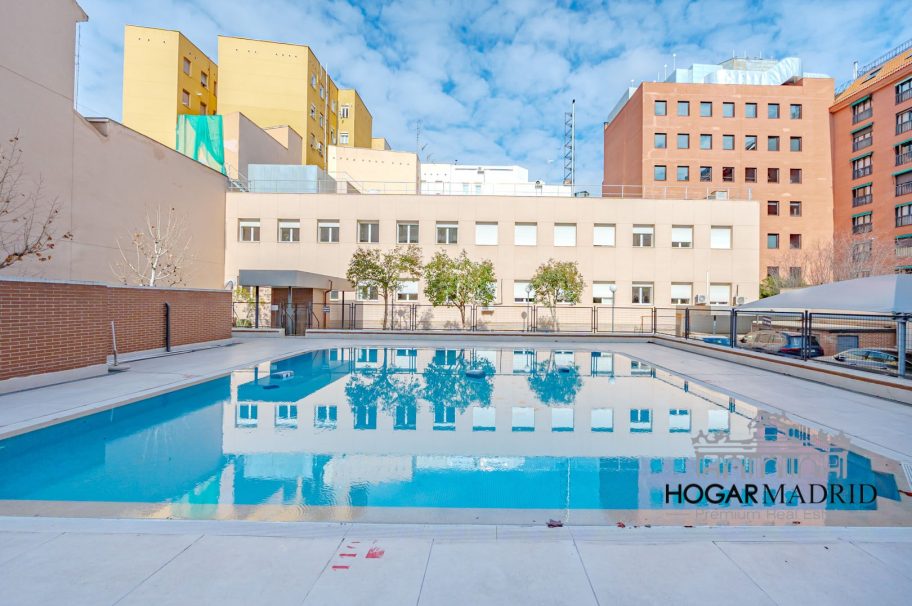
(414, 318)
(686, 322)
(594, 319)
(733, 328)
(806, 319)
(167, 327)
(655, 320)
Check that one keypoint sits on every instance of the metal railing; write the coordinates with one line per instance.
(858, 341)
(902, 127)
(903, 158)
(903, 95)
(862, 143)
(864, 171)
(862, 228)
(343, 186)
(904, 188)
(861, 200)
(862, 115)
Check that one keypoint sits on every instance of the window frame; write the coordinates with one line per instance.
(373, 231)
(449, 228)
(408, 231)
(294, 231)
(335, 231)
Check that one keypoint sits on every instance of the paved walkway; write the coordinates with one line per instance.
(97, 562)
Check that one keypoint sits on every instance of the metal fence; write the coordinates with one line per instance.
(875, 343)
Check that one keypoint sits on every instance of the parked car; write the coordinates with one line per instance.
(780, 342)
(869, 358)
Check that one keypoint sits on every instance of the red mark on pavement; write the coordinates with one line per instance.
(348, 555)
(374, 552)
(340, 567)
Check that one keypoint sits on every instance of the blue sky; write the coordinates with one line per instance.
(490, 81)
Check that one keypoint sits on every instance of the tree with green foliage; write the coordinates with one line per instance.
(459, 282)
(554, 384)
(385, 271)
(557, 282)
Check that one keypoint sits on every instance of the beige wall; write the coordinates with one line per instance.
(103, 175)
(359, 123)
(375, 171)
(246, 143)
(622, 264)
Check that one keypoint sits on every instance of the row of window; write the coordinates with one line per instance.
(682, 173)
(660, 141)
(326, 416)
(863, 222)
(486, 234)
(864, 109)
(706, 109)
(203, 107)
(641, 293)
(204, 76)
(772, 241)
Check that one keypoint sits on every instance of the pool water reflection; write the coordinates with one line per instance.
(460, 435)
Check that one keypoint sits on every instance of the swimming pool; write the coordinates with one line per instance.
(452, 435)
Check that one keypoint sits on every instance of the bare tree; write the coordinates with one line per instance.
(26, 219)
(845, 257)
(157, 253)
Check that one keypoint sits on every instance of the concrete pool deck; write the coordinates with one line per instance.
(45, 560)
(97, 561)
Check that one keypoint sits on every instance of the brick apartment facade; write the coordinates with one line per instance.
(769, 142)
(871, 122)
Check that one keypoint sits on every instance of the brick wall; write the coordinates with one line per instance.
(53, 326)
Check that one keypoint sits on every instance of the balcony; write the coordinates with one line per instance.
(903, 96)
(862, 143)
(904, 158)
(862, 228)
(861, 200)
(862, 115)
(903, 127)
(864, 171)
(903, 189)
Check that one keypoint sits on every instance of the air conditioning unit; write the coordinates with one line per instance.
(721, 194)
(700, 299)
(739, 301)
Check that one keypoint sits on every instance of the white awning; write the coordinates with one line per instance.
(284, 278)
(877, 294)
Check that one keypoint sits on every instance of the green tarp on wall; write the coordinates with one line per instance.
(201, 138)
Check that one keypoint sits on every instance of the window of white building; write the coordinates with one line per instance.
(601, 292)
(486, 234)
(603, 235)
(681, 294)
(289, 230)
(720, 294)
(408, 291)
(525, 234)
(682, 236)
(565, 234)
(720, 237)
(522, 293)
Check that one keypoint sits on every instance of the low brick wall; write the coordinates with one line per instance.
(53, 326)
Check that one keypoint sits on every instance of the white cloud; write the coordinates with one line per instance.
(490, 80)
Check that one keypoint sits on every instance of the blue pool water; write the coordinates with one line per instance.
(404, 434)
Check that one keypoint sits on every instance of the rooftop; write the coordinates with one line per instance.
(878, 70)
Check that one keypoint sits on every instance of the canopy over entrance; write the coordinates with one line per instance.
(878, 294)
(291, 278)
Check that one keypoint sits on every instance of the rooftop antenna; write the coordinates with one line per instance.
(854, 70)
(570, 145)
(674, 61)
(665, 68)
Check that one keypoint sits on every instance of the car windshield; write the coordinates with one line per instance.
(795, 341)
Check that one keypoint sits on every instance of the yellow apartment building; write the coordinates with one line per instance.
(165, 75)
(355, 121)
(279, 84)
(380, 144)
